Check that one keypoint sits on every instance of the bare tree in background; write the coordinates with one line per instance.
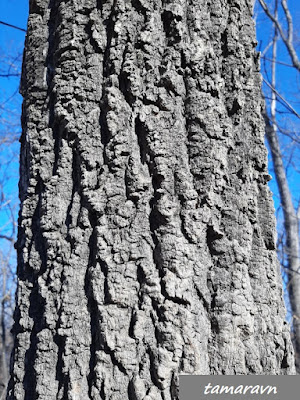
(9, 133)
(7, 282)
(290, 249)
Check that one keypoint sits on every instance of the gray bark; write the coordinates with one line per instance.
(146, 240)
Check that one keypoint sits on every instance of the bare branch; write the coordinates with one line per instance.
(10, 239)
(8, 75)
(292, 135)
(13, 26)
(289, 20)
(286, 39)
(278, 62)
(291, 270)
(266, 49)
(282, 98)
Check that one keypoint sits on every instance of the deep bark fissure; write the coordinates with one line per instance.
(141, 135)
(109, 24)
(154, 377)
(36, 312)
(38, 240)
(95, 317)
(60, 342)
(139, 7)
(30, 375)
(124, 84)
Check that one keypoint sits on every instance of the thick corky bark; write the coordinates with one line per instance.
(146, 233)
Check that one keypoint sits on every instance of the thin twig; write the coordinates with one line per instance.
(9, 75)
(10, 239)
(278, 62)
(282, 98)
(13, 26)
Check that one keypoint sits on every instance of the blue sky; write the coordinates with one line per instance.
(11, 40)
(11, 43)
(288, 85)
(11, 47)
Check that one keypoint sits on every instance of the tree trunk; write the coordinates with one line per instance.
(146, 242)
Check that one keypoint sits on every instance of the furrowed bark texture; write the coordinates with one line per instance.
(146, 235)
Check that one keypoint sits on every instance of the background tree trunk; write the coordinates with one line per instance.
(290, 260)
(291, 228)
(146, 235)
